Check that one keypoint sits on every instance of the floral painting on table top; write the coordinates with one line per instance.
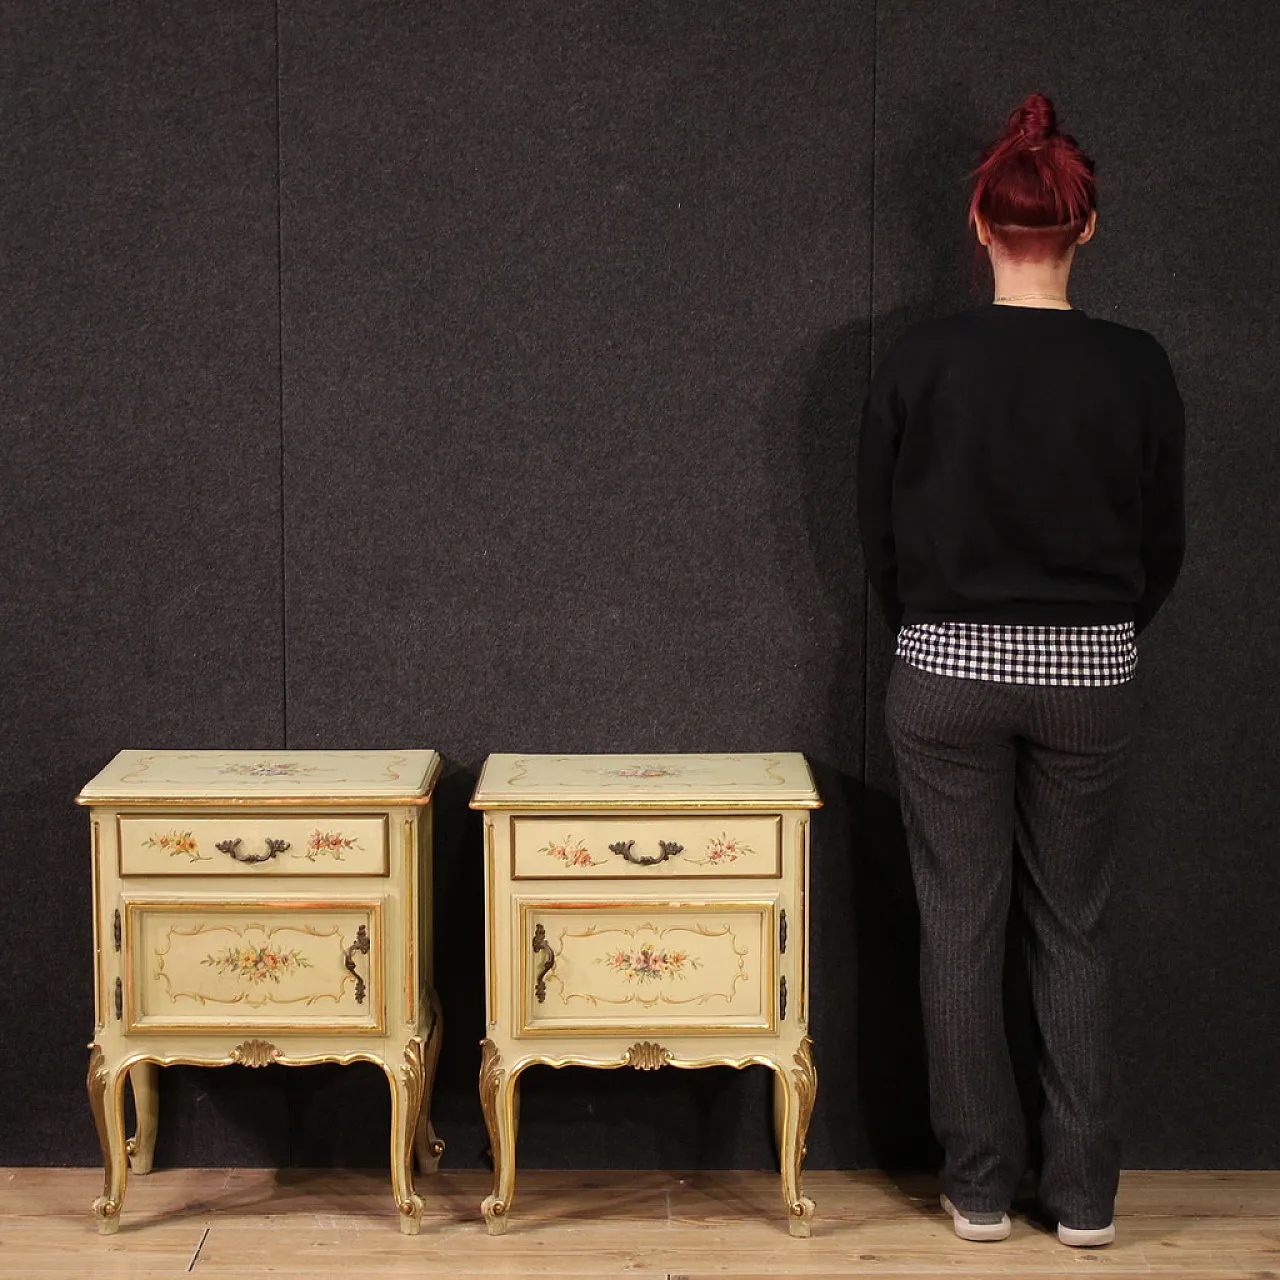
(642, 771)
(268, 769)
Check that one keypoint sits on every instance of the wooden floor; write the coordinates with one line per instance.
(644, 1226)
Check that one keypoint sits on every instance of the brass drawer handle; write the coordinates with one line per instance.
(232, 849)
(361, 944)
(540, 943)
(623, 850)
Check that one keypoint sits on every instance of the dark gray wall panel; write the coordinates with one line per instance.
(574, 334)
(139, 532)
(1180, 110)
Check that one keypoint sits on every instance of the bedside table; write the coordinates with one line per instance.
(647, 911)
(256, 908)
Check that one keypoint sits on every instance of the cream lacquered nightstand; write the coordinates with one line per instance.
(647, 911)
(255, 908)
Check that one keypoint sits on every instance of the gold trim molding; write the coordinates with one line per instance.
(491, 908)
(410, 917)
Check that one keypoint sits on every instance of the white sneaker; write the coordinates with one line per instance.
(1079, 1238)
(978, 1226)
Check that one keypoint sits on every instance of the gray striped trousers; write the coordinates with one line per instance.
(1014, 790)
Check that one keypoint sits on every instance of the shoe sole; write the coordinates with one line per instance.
(1078, 1238)
(977, 1232)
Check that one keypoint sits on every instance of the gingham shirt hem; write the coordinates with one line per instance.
(1003, 653)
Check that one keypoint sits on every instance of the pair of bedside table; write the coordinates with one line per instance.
(255, 908)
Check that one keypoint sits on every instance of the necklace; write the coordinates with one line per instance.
(1018, 297)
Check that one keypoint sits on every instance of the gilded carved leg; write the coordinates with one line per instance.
(106, 1101)
(500, 1099)
(428, 1148)
(407, 1086)
(146, 1103)
(795, 1090)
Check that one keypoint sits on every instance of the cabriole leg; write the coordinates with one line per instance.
(407, 1086)
(499, 1096)
(795, 1090)
(143, 1080)
(106, 1100)
(428, 1148)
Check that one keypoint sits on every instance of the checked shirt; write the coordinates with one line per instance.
(1093, 656)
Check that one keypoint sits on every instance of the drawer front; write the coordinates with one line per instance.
(615, 966)
(279, 965)
(619, 846)
(184, 844)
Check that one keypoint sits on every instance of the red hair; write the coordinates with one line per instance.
(1034, 186)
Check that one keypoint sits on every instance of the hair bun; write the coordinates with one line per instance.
(1034, 120)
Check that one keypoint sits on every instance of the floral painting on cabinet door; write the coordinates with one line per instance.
(257, 964)
(648, 963)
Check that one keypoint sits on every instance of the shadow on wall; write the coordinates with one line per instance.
(924, 255)
(890, 1098)
(865, 1012)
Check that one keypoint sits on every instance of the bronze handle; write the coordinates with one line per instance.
(540, 943)
(119, 1000)
(361, 944)
(232, 849)
(623, 850)
(782, 932)
(115, 928)
(782, 1000)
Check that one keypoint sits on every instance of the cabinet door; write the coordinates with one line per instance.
(646, 966)
(279, 965)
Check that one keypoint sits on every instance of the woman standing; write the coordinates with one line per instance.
(1020, 504)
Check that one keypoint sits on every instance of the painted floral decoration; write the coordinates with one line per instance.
(643, 771)
(573, 853)
(176, 842)
(726, 848)
(268, 769)
(648, 963)
(257, 964)
(330, 843)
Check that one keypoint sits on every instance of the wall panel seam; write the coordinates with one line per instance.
(280, 401)
(871, 341)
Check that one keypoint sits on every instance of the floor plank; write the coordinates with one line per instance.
(219, 1223)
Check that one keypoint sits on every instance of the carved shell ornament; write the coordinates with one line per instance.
(255, 1053)
(644, 1055)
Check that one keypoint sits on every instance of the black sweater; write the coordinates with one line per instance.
(1022, 465)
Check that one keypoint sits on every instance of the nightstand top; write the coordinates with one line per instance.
(265, 777)
(780, 780)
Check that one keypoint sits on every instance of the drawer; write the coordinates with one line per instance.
(620, 846)
(278, 965)
(261, 844)
(628, 966)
